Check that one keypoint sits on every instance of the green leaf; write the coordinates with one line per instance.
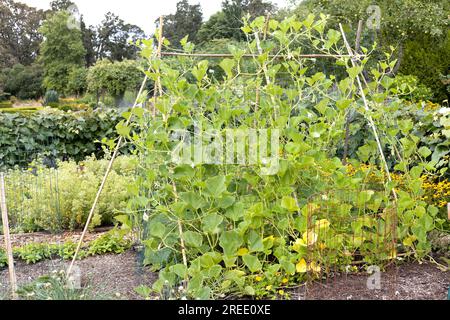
(250, 291)
(425, 152)
(255, 242)
(216, 186)
(180, 270)
(157, 230)
(193, 199)
(289, 204)
(252, 263)
(227, 65)
(211, 223)
(230, 241)
(236, 212)
(226, 202)
(193, 239)
(288, 266)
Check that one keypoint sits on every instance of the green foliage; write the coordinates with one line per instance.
(66, 194)
(33, 253)
(114, 78)
(114, 242)
(20, 38)
(61, 51)
(227, 24)
(21, 110)
(114, 39)
(426, 58)
(24, 82)
(186, 21)
(51, 97)
(240, 223)
(55, 287)
(69, 135)
(77, 82)
(419, 92)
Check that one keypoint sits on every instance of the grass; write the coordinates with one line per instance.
(55, 287)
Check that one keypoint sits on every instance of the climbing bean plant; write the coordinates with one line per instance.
(214, 228)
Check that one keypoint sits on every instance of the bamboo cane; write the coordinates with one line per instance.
(12, 271)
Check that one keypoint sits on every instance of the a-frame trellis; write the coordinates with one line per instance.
(352, 54)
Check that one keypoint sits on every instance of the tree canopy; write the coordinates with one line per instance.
(187, 20)
(19, 35)
(61, 51)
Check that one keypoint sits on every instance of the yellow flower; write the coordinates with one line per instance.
(302, 266)
(269, 288)
(284, 281)
(258, 278)
(299, 243)
(281, 292)
(242, 252)
(323, 224)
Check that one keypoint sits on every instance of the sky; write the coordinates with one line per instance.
(139, 12)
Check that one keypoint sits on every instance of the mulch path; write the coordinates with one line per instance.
(116, 276)
(409, 281)
(109, 276)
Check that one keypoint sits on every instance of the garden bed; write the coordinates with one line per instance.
(116, 277)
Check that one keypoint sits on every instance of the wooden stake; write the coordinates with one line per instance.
(369, 117)
(158, 86)
(347, 118)
(12, 272)
(105, 178)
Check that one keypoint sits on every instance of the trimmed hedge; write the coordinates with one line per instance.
(6, 104)
(54, 133)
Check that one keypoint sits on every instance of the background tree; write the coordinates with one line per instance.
(61, 51)
(114, 78)
(227, 24)
(77, 81)
(88, 34)
(186, 21)
(407, 25)
(61, 5)
(114, 39)
(19, 36)
(24, 82)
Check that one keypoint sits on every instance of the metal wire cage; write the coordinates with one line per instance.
(350, 234)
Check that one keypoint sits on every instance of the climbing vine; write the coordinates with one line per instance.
(212, 226)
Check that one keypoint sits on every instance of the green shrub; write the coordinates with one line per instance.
(51, 97)
(24, 82)
(427, 59)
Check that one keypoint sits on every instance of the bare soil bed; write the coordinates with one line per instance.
(409, 281)
(116, 277)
